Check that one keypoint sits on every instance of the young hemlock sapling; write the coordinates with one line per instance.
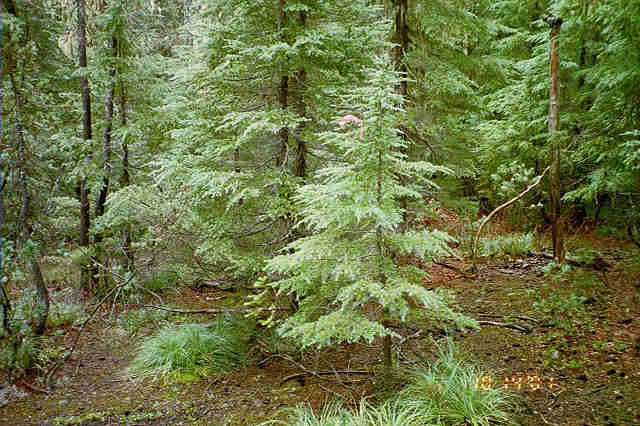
(348, 285)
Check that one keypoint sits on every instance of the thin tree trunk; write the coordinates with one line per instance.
(401, 38)
(555, 190)
(101, 200)
(125, 179)
(5, 303)
(22, 231)
(283, 94)
(301, 81)
(82, 192)
(42, 298)
(42, 295)
(106, 142)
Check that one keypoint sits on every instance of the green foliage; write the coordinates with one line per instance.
(513, 245)
(64, 314)
(388, 414)
(447, 392)
(160, 281)
(556, 304)
(355, 216)
(193, 350)
(132, 320)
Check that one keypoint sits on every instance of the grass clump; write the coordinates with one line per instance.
(190, 351)
(447, 392)
(443, 393)
(515, 245)
(391, 413)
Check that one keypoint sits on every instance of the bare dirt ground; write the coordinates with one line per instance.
(567, 346)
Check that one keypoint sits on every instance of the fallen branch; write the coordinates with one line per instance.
(210, 311)
(321, 373)
(453, 268)
(497, 209)
(31, 387)
(520, 317)
(520, 328)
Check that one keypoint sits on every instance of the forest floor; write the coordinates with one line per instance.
(567, 345)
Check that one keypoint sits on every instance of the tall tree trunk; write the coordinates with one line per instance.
(283, 93)
(83, 194)
(125, 179)
(106, 142)
(22, 231)
(101, 200)
(401, 39)
(5, 303)
(555, 190)
(301, 81)
(42, 294)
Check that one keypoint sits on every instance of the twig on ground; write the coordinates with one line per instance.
(520, 328)
(210, 311)
(520, 317)
(321, 373)
(31, 387)
(413, 336)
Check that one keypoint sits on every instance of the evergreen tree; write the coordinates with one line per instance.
(347, 277)
(256, 88)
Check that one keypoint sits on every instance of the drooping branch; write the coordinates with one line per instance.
(499, 208)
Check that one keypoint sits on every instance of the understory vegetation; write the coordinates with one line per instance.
(309, 212)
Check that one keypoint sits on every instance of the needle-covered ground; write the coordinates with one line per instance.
(565, 343)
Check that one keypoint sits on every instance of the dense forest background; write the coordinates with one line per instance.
(300, 155)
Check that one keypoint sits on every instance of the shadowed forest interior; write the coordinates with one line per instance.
(304, 212)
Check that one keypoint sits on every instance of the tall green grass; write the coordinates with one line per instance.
(193, 350)
(444, 393)
(391, 413)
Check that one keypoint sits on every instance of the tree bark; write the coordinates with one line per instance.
(42, 298)
(22, 231)
(82, 192)
(401, 38)
(5, 303)
(283, 93)
(42, 295)
(106, 141)
(555, 181)
(125, 180)
(301, 81)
